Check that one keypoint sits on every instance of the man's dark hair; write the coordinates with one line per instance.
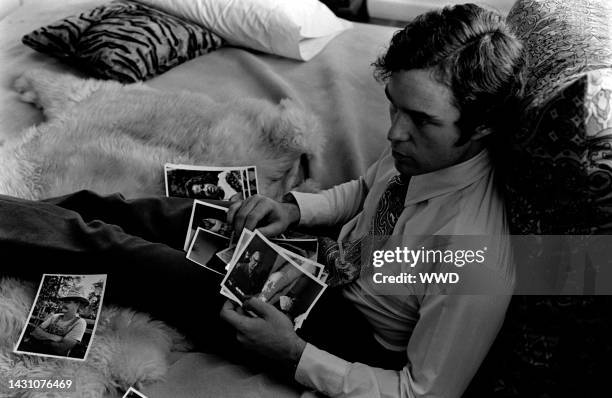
(470, 50)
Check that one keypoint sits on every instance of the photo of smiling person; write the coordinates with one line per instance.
(64, 316)
(204, 182)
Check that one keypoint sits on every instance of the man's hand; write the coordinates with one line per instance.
(257, 209)
(271, 334)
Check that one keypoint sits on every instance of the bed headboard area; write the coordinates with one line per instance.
(336, 87)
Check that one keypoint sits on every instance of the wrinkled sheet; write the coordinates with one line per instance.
(337, 85)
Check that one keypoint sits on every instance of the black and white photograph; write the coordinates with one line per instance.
(203, 248)
(212, 218)
(64, 316)
(252, 180)
(308, 265)
(233, 250)
(293, 289)
(305, 247)
(263, 270)
(246, 190)
(464, 143)
(251, 266)
(226, 255)
(133, 393)
(203, 182)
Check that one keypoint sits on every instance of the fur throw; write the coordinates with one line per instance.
(109, 137)
(129, 349)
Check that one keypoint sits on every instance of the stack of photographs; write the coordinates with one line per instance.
(263, 269)
(205, 182)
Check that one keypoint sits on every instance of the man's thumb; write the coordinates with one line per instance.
(257, 306)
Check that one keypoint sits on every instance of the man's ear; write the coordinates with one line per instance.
(481, 132)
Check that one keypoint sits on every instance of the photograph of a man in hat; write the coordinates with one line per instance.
(66, 326)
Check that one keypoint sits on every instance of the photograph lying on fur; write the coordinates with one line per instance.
(264, 270)
(133, 393)
(210, 217)
(203, 247)
(64, 316)
(203, 182)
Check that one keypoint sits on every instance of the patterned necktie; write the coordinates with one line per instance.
(343, 261)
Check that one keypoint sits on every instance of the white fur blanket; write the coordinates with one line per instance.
(109, 137)
(129, 349)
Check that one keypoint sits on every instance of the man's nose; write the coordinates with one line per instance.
(401, 128)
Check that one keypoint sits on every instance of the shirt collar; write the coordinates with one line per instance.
(453, 178)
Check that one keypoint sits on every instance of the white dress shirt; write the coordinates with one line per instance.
(446, 336)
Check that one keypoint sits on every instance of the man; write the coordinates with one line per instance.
(246, 277)
(60, 332)
(450, 79)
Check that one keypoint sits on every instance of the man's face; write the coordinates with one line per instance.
(253, 261)
(423, 129)
(210, 189)
(70, 306)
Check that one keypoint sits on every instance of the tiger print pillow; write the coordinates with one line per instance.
(123, 41)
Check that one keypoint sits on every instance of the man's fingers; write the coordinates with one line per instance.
(260, 308)
(240, 216)
(231, 211)
(258, 213)
(272, 229)
(229, 314)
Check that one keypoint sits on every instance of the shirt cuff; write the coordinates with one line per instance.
(321, 370)
(312, 206)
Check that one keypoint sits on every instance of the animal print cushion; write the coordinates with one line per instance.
(123, 41)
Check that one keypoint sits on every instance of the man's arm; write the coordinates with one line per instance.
(62, 347)
(453, 333)
(58, 344)
(331, 207)
(39, 334)
(451, 337)
(447, 346)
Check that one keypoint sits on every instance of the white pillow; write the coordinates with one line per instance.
(296, 29)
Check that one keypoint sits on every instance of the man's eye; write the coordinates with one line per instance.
(419, 121)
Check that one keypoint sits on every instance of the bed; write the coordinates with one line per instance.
(337, 85)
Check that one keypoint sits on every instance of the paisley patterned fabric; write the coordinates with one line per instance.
(123, 41)
(562, 178)
(560, 182)
(564, 40)
(344, 263)
(562, 164)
